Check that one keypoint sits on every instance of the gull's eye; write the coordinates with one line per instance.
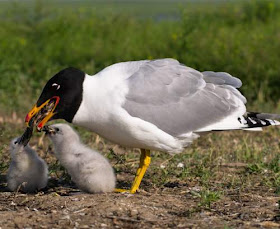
(57, 86)
(56, 129)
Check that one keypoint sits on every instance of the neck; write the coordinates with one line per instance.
(65, 152)
(92, 95)
(24, 157)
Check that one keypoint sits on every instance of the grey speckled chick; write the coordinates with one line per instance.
(88, 169)
(27, 171)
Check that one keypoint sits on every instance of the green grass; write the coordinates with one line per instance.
(39, 39)
(207, 197)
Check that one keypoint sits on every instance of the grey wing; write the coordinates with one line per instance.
(178, 99)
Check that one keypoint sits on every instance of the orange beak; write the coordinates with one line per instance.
(36, 114)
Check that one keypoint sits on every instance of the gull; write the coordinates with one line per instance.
(151, 104)
(90, 171)
(27, 171)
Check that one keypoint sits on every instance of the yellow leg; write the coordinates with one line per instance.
(145, 160)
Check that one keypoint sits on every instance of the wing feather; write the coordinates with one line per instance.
(179, 99)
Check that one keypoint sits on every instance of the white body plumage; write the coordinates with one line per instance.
(90, 171)
(161, 105)
(27, 171)
(101, 111)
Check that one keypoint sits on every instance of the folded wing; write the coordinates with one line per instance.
(178, 99)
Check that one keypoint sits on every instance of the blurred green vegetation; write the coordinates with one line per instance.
(39, 38)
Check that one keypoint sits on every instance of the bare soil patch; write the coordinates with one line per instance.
(225, 180)
(175, 206)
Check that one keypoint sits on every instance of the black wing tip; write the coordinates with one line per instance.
(262, 115)
(255, 119)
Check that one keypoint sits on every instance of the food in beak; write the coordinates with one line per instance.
(48, 130)
(38, 119)
(24, 139)
(43, 113)
(38, 116)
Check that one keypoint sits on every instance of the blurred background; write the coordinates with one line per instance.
(39, 38)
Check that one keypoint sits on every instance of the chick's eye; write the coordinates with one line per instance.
(56, 86)
(56, 129)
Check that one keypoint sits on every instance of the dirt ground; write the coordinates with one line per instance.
(172, 206)
(224, 184)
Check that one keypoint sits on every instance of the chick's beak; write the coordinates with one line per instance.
(40, 115)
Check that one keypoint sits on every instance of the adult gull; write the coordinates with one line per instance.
(151, 104)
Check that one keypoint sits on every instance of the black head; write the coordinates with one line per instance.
(60, 99)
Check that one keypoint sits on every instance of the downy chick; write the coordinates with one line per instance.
(90, 171)
(27, 171)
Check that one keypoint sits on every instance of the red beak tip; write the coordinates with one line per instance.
(27, 118)
(40, 126)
